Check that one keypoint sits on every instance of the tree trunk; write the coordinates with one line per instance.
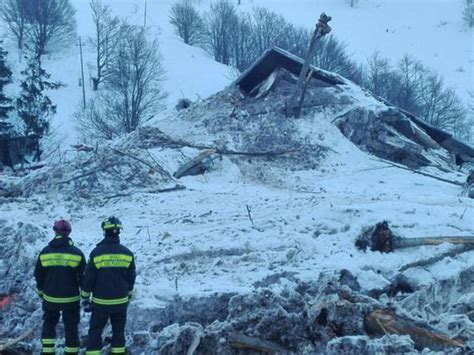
(385, 322)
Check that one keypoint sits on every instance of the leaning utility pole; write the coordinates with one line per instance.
(82, 74)
(144, 16)
(293, 107)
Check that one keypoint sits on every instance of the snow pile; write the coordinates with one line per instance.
(322, 316)
(20, 306)
(106, 171)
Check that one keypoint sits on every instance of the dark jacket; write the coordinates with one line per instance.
(59, 271)
(110, 274)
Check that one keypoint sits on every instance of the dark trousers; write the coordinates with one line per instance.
(98, 322)
(71, 319)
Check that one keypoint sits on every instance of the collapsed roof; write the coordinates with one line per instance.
(416, 134)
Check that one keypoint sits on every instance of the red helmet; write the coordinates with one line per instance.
(62, 227)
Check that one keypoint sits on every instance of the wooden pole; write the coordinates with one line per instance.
(82, 74)
(144, 15)
(322, 28)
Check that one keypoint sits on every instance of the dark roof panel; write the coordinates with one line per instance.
(278, 58)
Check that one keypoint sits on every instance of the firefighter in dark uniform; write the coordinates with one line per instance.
(58, 273)
(110, 277)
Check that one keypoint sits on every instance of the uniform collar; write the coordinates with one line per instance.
(110, 240)
(60, 240)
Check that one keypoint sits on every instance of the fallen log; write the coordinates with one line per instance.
(168, 189)
(383, 240)
(384, 322)
(244, 342)
(10, 343)
(82, 148)
(453, 182)
(435, 259)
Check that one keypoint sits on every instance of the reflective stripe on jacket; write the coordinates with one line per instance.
(58, 272)
(110, 274)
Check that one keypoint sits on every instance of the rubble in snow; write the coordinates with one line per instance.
(324, 316)
(107, 171)
(20, 306)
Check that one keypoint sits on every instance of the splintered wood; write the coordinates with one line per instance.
(386, 322)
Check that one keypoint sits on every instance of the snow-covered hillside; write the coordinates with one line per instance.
(253, 228)
(438, 38)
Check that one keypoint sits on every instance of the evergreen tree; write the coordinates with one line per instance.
(468, 13)
(34, 106)
(5, 102)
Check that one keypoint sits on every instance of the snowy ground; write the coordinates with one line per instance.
(201, 240)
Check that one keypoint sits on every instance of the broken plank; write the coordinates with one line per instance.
(400, 243)
(12, 342)
(193, 162)
(435, 259)
(241, 341)
(384, 321)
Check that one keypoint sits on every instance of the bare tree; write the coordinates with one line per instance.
(135, 81)
(295, 40)
(411, 74)
(188, 23)
(440, 106)
(222, 21)
(14, 14)
(51, 25)
(94, 123)
(468, 13)
(381, 77)
(243, 44)
(105, 41)
(331, 55)
(269, 29)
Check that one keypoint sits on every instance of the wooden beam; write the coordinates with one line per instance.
(385, 321)
(244, 342)
(193, 162)
(15, 341)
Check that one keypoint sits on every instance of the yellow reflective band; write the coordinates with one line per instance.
(71, 350)
(124, 264)
(113, 260)
(61, 299)
(112, 226)
(93, 352)
(110, 302)
(85, 294)
(48, 350)
(40, 292)
(48, 341)
(60, 259)
(117, 350)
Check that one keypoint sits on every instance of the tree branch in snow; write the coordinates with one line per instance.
(421, 173)
(435, 259)
(12, 342)
(249, 213)
(158, 168)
